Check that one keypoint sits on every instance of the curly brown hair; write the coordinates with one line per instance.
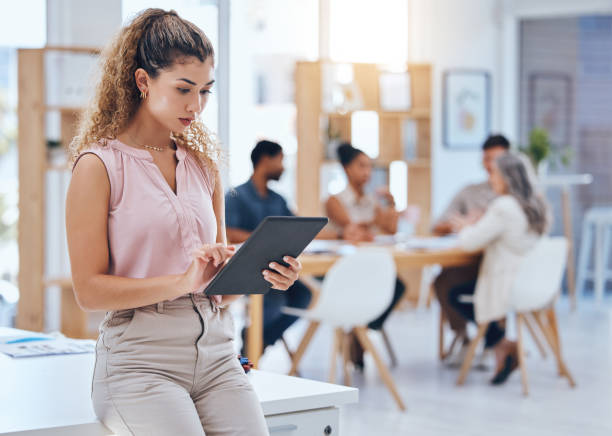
(153, 40)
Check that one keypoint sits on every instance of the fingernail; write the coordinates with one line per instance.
(271, 265)
(286, 258)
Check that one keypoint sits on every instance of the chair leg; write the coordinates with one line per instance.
(287, 349)
(452, 345)
(607, 236)
(389, 347)
(441, 353)
(367, 345)
(556, 349)
(469, 357)
(346, 358)
(554, 329)
(552, 343)
(336, 347)
(521, 353)
(599, 281)
(297, 356)
(535, 336)
(551, 317)
(586, 249)
(430, 296)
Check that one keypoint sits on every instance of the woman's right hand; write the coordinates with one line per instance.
(206, 263)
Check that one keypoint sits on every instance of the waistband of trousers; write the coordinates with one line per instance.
(188, 300)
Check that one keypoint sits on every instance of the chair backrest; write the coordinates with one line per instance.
(539, 276)
(357, 288)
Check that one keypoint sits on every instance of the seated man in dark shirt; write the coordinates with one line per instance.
(245, 207)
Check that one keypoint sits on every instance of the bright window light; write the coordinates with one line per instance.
(398, 183)
(23, 24)
(364, 132)
(367, 31)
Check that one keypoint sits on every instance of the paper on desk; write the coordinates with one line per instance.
(322, 246)
(46, 347)
(435, 243)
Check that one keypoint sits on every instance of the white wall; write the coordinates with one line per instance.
(14, 32)
(269, 35)
(241, 94)
(82, 23)
(480, 34)
(455, 34)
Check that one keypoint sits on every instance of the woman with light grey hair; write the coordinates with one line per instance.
(511, 226)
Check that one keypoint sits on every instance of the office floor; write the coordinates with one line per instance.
(436, 406)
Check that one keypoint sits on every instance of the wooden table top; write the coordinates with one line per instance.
(319, 264)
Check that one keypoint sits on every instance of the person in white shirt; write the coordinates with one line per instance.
(510, 227)
(470, 201)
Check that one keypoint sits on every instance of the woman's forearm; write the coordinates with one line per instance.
(103, 292)
(386, 220)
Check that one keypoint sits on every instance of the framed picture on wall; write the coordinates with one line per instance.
(550, 105)
(466, 108)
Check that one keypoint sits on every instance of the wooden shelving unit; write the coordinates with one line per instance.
(313, 123)
(33, 166)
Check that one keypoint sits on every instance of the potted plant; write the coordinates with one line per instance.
(542, 153)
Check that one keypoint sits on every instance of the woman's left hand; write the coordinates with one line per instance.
(282, 277)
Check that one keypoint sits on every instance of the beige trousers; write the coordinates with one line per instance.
(171, 369)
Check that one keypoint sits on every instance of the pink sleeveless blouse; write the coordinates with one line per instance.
(151, 230)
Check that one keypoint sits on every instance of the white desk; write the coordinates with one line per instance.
(51, 396)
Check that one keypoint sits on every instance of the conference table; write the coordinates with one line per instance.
(406, 256)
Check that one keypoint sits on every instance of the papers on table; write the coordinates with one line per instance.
(44, 345)
(434, 243)
(321, 246)
(399, 242)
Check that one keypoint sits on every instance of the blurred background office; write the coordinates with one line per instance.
(418, 86)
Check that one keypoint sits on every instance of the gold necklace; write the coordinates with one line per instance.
(150, 147)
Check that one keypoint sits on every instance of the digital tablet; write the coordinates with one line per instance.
(274, 238)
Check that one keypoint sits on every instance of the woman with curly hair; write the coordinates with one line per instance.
(144, 218)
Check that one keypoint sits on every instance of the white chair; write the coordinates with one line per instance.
(535, 289)
(597, 227)
(356, 290)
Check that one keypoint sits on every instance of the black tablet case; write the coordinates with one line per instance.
(274, 238)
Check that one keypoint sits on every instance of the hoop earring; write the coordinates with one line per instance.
(143, 95)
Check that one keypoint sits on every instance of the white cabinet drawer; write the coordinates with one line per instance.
(319, 422)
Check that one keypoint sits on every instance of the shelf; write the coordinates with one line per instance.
(91, 50)
(63, 109)
(400, 133)
(415, 163)
(419, 163)
(416, 113)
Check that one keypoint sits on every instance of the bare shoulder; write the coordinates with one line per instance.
(89, 176)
